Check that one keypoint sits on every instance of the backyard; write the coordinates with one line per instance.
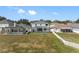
(72, 37)
(33, 42)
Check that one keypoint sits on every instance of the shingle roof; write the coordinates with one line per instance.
(65, 26)
(39, 22)
(61, 26)
(5, 22)
(75, 25)
(24, 25)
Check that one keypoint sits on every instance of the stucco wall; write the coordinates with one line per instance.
(4, 25)
(75, 30)
(56, 30)
(34, 29)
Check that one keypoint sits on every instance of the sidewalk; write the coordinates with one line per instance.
(72, 44)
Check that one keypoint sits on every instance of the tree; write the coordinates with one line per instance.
(23, 21)
(65, 21)
(77, 21)
(41, 19)
(57, 21)
(49, 21)
(2, 18)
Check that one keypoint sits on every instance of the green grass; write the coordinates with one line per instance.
(34, 42)
(72, 37)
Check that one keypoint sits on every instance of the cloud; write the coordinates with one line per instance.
(32, 12)
(55, 13)
(21, 11)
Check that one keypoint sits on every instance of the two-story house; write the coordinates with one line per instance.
(9, 27)
(5, 24)
(40, 26)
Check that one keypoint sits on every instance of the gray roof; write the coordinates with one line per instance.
(5, 22)
(11, 24)
(39, 22)
(24, 25)
(66, 26)
(75, 25)
(61, 26)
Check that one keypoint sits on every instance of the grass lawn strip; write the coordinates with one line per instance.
(34, 42)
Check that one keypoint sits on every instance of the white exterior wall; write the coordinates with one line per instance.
(43, 25)
(4, 25)
(57, 30)
(33, 25)
(75, 30)
(0, 29)
(38, 25)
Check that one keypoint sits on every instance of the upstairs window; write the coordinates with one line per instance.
(46, 24)
(35, 24)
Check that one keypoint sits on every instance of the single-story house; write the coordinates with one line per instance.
(40, 26)
(75, 27)
(69, 27)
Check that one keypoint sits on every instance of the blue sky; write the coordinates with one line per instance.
(40, 12)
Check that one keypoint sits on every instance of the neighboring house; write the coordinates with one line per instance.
(3, 24)
(40, 26)
(75, 27)
(60, 27)
(27, 27)
(69, 27)
(8, 27)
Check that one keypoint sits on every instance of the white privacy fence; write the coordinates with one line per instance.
(74, 45)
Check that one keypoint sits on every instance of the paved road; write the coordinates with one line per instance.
(72, 44)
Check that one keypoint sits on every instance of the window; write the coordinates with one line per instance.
(13, 30)
(66, 30)
(38, 24)
(35, 24)
(39, 29)
(46, 24)
(45, 29)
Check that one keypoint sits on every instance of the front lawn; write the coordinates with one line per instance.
(34, 42)
(72, 37)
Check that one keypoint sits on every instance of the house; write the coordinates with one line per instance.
(3, 24)
(75, 27)
(27, 27)
(9, 27)
(60, 27)
(69, 27)
(40, 26)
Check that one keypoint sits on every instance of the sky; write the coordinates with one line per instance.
(40, 12)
